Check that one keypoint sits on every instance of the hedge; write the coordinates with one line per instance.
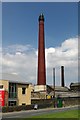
(17, 108)
(24, 107)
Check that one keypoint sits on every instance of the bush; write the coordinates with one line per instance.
(17, 108)
(7, 109)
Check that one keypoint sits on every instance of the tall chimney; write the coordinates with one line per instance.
(62, 76)
(41, 80)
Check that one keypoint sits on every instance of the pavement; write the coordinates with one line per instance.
(30, 113)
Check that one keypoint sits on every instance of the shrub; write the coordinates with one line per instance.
(7, 109)
(17, 108)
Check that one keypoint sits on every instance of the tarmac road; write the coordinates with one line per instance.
(30, 113)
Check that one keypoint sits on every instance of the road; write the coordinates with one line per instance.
(30, 113)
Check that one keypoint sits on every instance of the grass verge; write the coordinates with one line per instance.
(64, 114)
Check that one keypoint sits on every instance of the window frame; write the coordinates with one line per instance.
(23, 91)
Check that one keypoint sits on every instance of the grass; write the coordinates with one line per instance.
(65, 114)
(72, 114)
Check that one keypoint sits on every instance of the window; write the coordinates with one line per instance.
(23, 103)
(1, 86)
(12, 103)
(23, 90)
(12, 90)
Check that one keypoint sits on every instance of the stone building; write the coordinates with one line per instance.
(75, 86)
(14, 90)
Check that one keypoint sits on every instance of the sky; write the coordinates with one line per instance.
(40, 0)
(0, 37)
(20, 39)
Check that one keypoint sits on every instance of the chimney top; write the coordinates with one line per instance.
(41, 17)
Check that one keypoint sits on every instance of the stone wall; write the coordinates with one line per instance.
(72, 101)
(67, 101)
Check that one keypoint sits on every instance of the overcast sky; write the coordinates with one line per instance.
(20, 39)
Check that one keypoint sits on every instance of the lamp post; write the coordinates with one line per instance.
(54, 84)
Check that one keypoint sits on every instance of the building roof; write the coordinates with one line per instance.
(75, 84)
(59, 88)
(13, 78)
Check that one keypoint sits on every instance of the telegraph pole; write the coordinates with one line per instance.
(54, 84)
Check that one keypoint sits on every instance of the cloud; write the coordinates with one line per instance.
(22, 60)
(65, 55)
